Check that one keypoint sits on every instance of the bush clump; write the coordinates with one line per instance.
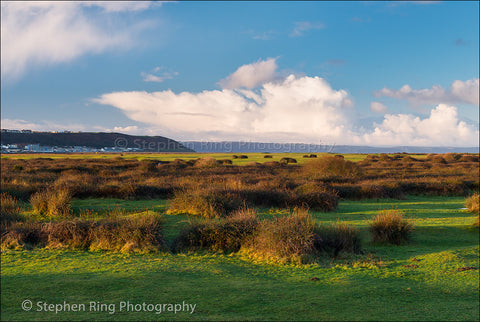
(23, 235)
(207, 162)
(80, 185)
(226, 235)
(138, 233)
(288, 160)
(133, 233)
(52, 203)
(225, 161)
(148, 165)
(390, 227)
(438, 159)
(296, 239)
(451, 157)
(9, 210)
(314, 197)
(207, 203)
(472, 205)
(68, 234)
(337, 237)
(331, 166)
(468, 158)
(284, 239)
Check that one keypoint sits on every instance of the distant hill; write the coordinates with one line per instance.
(245, 147)
(95, 140)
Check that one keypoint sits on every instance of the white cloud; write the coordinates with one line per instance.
(251, 75)
(441, 128)
(121, 6)
(37, 33)
(44, 125)
(303, 26)
(297, 109)
(304, 109)
(466, 91)
(266, 35)
(132, 129)
(19, 124)
(459, 92)
(160, 77)
(378, 107)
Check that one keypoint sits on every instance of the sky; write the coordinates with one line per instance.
(353, 72)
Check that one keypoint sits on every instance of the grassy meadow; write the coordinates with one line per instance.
(252, 157)
(74, 248)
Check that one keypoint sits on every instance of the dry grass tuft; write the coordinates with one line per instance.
(9, 210)
(52, 203)
(390, 227)
(331, 166)
(226, 235)
(205, 202)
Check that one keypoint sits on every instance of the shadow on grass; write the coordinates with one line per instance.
(226, 289)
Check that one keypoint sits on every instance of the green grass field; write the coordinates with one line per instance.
(252, 157)
(423, 280)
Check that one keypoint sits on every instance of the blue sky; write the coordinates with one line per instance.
(362, 73)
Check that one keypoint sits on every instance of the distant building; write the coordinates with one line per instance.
(33, 147)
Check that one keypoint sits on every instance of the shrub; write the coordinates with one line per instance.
(23, 235)
(314, 197)
(9, 210)
(284, 239)
(70, 234)
(39, 202)
(336, 238)
(179, 163)
(471, 203)
(207, 203)
(438, 159)
(225, 161)
(295, 238)
(408, 158)
(267, 156)
(17, 167)
(390, 227)
(331, 166)
(272, 164)
(372, 158)
(264, 197)
(384, 157)
(138, 232)
(226, 235)
(243, 156)
(468, 158)
(208, 162)
(78, 184)
(288, 160)
(51, 203)
(451, 157)
(148, 165)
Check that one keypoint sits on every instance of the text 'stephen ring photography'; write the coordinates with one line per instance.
(264, 161)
